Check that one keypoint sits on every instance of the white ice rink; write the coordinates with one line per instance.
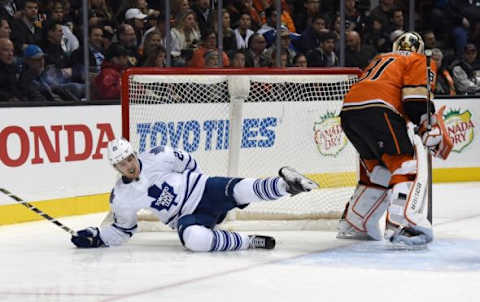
(38, 263)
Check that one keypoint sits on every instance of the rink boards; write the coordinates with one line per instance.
(54, 155)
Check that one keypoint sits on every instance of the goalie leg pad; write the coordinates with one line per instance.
(366, 210)
(408, 206)
(380, 175)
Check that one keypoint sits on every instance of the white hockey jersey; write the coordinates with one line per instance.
(170, 185)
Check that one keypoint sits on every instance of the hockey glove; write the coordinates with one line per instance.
(437, 138)
(88, 238)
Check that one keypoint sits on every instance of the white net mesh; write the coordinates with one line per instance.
(250, 126)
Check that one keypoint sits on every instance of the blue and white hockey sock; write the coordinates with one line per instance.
(228, 241)
(255, 189)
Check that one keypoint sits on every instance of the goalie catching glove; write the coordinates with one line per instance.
(88, 238)
(437, 138)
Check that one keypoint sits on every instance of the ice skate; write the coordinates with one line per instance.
(261, 242)
(346, 231)
(416, 237)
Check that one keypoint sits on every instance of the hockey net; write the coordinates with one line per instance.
(249, 123)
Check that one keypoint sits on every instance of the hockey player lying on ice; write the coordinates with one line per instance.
(170, 183)
(389, 201)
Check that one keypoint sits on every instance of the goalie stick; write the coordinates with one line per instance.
(428, 54)
(38, 211)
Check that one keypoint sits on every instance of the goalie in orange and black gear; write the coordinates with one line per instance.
(391, 92)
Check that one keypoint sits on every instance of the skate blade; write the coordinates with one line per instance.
(400, 246)
(353, 236)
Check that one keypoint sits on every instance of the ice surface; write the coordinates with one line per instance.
(38, 263)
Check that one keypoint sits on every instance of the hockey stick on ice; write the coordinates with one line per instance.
(428, 54)
(38, 211)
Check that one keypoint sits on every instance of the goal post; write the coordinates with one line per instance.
(249, 123)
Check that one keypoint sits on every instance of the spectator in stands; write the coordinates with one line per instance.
(152, 41)
(397, 21)
(9, 91)
(462, 15)
(69, 41)
(100, 13)
(34, 87)
(268, 28)
(283, 59)
(429, 39)
(238, 8)
(376, 36)
(238, 59)
(52, 46)
(159, 28)
(335, 29)
(8, 10)
(95, 54)
(203, 14)
(255, 55)
(178, 6)
(285, 17)
(356, 54)
(465, 71)
(211, 59)
(243, 31)
(285, 45)
(444, 84)
(384, 11)
(108, 35)
(229, 39)
(185, 35)
(310, 38)
(128, 39)
(300, 60)
(355, 19)
(156, 57)
(324, 56)
(106, 85)
(306, 14)
(5, 30)
(136, 19)
(59, 71)
(25, 29)
(143, 6)
(209, 43)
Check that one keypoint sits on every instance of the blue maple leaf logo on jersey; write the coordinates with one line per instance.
(164, 196)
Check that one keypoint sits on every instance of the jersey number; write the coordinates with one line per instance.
(379, 67)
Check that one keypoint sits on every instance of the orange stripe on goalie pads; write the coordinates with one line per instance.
(369, 164)
(394, 163)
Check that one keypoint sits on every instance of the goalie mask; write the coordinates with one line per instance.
(409, 41)
(118, 149)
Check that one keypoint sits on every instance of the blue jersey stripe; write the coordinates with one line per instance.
(188, 194)
(275, 187)
(265, 188)
(189, 160)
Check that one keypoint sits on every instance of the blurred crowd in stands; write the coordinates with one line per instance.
(41, 42)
